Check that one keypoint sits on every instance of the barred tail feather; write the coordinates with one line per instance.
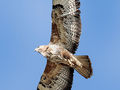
(86, 69)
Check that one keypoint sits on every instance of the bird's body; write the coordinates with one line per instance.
(58, 54)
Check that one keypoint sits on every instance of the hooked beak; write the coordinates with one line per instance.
(36, 50)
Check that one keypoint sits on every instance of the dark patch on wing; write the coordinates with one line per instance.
(55, 34)
(49, 67)
(77, 2)
(75, 45)
(57, 5)
(42, 84)
(38, 88)
(77, 14)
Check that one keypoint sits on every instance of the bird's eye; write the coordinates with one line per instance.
(47, 48)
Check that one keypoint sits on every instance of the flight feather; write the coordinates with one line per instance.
(66, 24)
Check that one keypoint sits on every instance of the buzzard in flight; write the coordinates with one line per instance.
(66, 31)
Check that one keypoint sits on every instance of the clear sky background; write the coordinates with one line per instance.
(26, 24)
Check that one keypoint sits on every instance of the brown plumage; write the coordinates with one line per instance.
(66, 24)
(65, 36)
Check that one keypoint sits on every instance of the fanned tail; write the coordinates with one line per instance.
(86, 69)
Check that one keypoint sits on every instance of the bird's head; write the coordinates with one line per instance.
(43, 50)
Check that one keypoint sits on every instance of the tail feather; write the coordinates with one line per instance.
(86, 69)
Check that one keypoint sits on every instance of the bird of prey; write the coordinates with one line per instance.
(66, 31)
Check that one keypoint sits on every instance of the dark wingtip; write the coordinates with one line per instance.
(90, 69)
(57, 5)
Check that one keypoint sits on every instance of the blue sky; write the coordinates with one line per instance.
(26, 24)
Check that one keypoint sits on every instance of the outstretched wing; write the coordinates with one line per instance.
(66, 24)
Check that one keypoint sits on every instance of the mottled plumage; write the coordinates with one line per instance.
(65, 36)
(66, 24)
